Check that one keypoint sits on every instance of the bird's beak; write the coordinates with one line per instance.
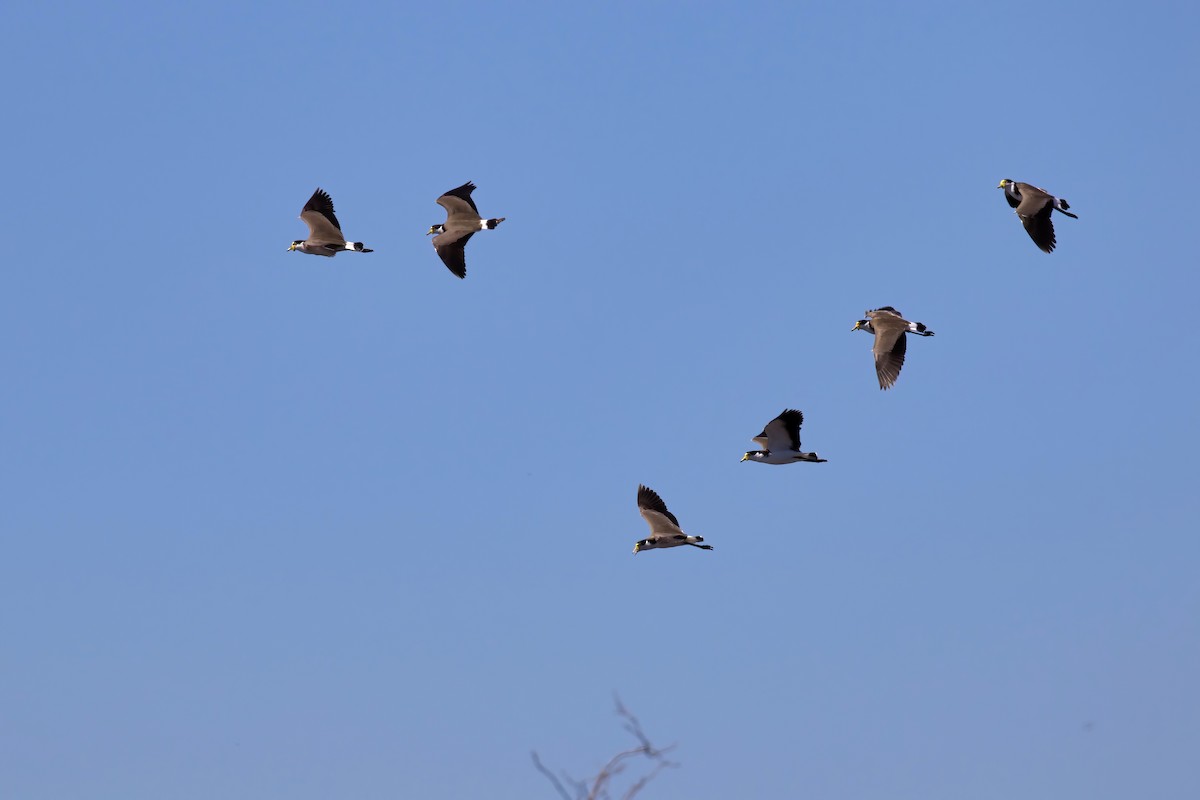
(1001, 184)
(857, 325)
(745, 457)
(431, 230)
(291, 247)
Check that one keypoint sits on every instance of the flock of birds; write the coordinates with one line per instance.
(462, 222)
(780, 437)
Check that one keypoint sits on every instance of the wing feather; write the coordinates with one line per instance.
(451, 248)
(458, 203)
(783, 432)
(323, 226)
(1040, 228)
(654, 510)
(890, 345)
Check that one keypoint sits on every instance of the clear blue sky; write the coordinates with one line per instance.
(284, 526)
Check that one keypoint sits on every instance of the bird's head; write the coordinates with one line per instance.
(435, 229)
(752, 455)
(641, 545)
(295, 245)
(862, 325)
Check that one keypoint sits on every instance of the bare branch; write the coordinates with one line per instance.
(642, 781)
(633, 726)
(537, 762)
(599, 789)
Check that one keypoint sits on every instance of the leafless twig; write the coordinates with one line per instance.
(537, 762)
(599, 785)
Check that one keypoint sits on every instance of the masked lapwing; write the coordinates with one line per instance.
(781, 437)
(462, 222)
(1034, 207)
(324, 233)
(890, 330)
(664, 528)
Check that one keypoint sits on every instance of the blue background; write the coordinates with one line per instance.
(284, 526)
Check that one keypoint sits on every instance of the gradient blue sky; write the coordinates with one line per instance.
(283, 526)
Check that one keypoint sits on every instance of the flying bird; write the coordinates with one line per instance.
(462, 222)
(1034, 206)
(890, 330)
(664, 528)
(324, 233)
(781, 438)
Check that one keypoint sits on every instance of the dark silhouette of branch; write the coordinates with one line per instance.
(537, 762)
(598, 787)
